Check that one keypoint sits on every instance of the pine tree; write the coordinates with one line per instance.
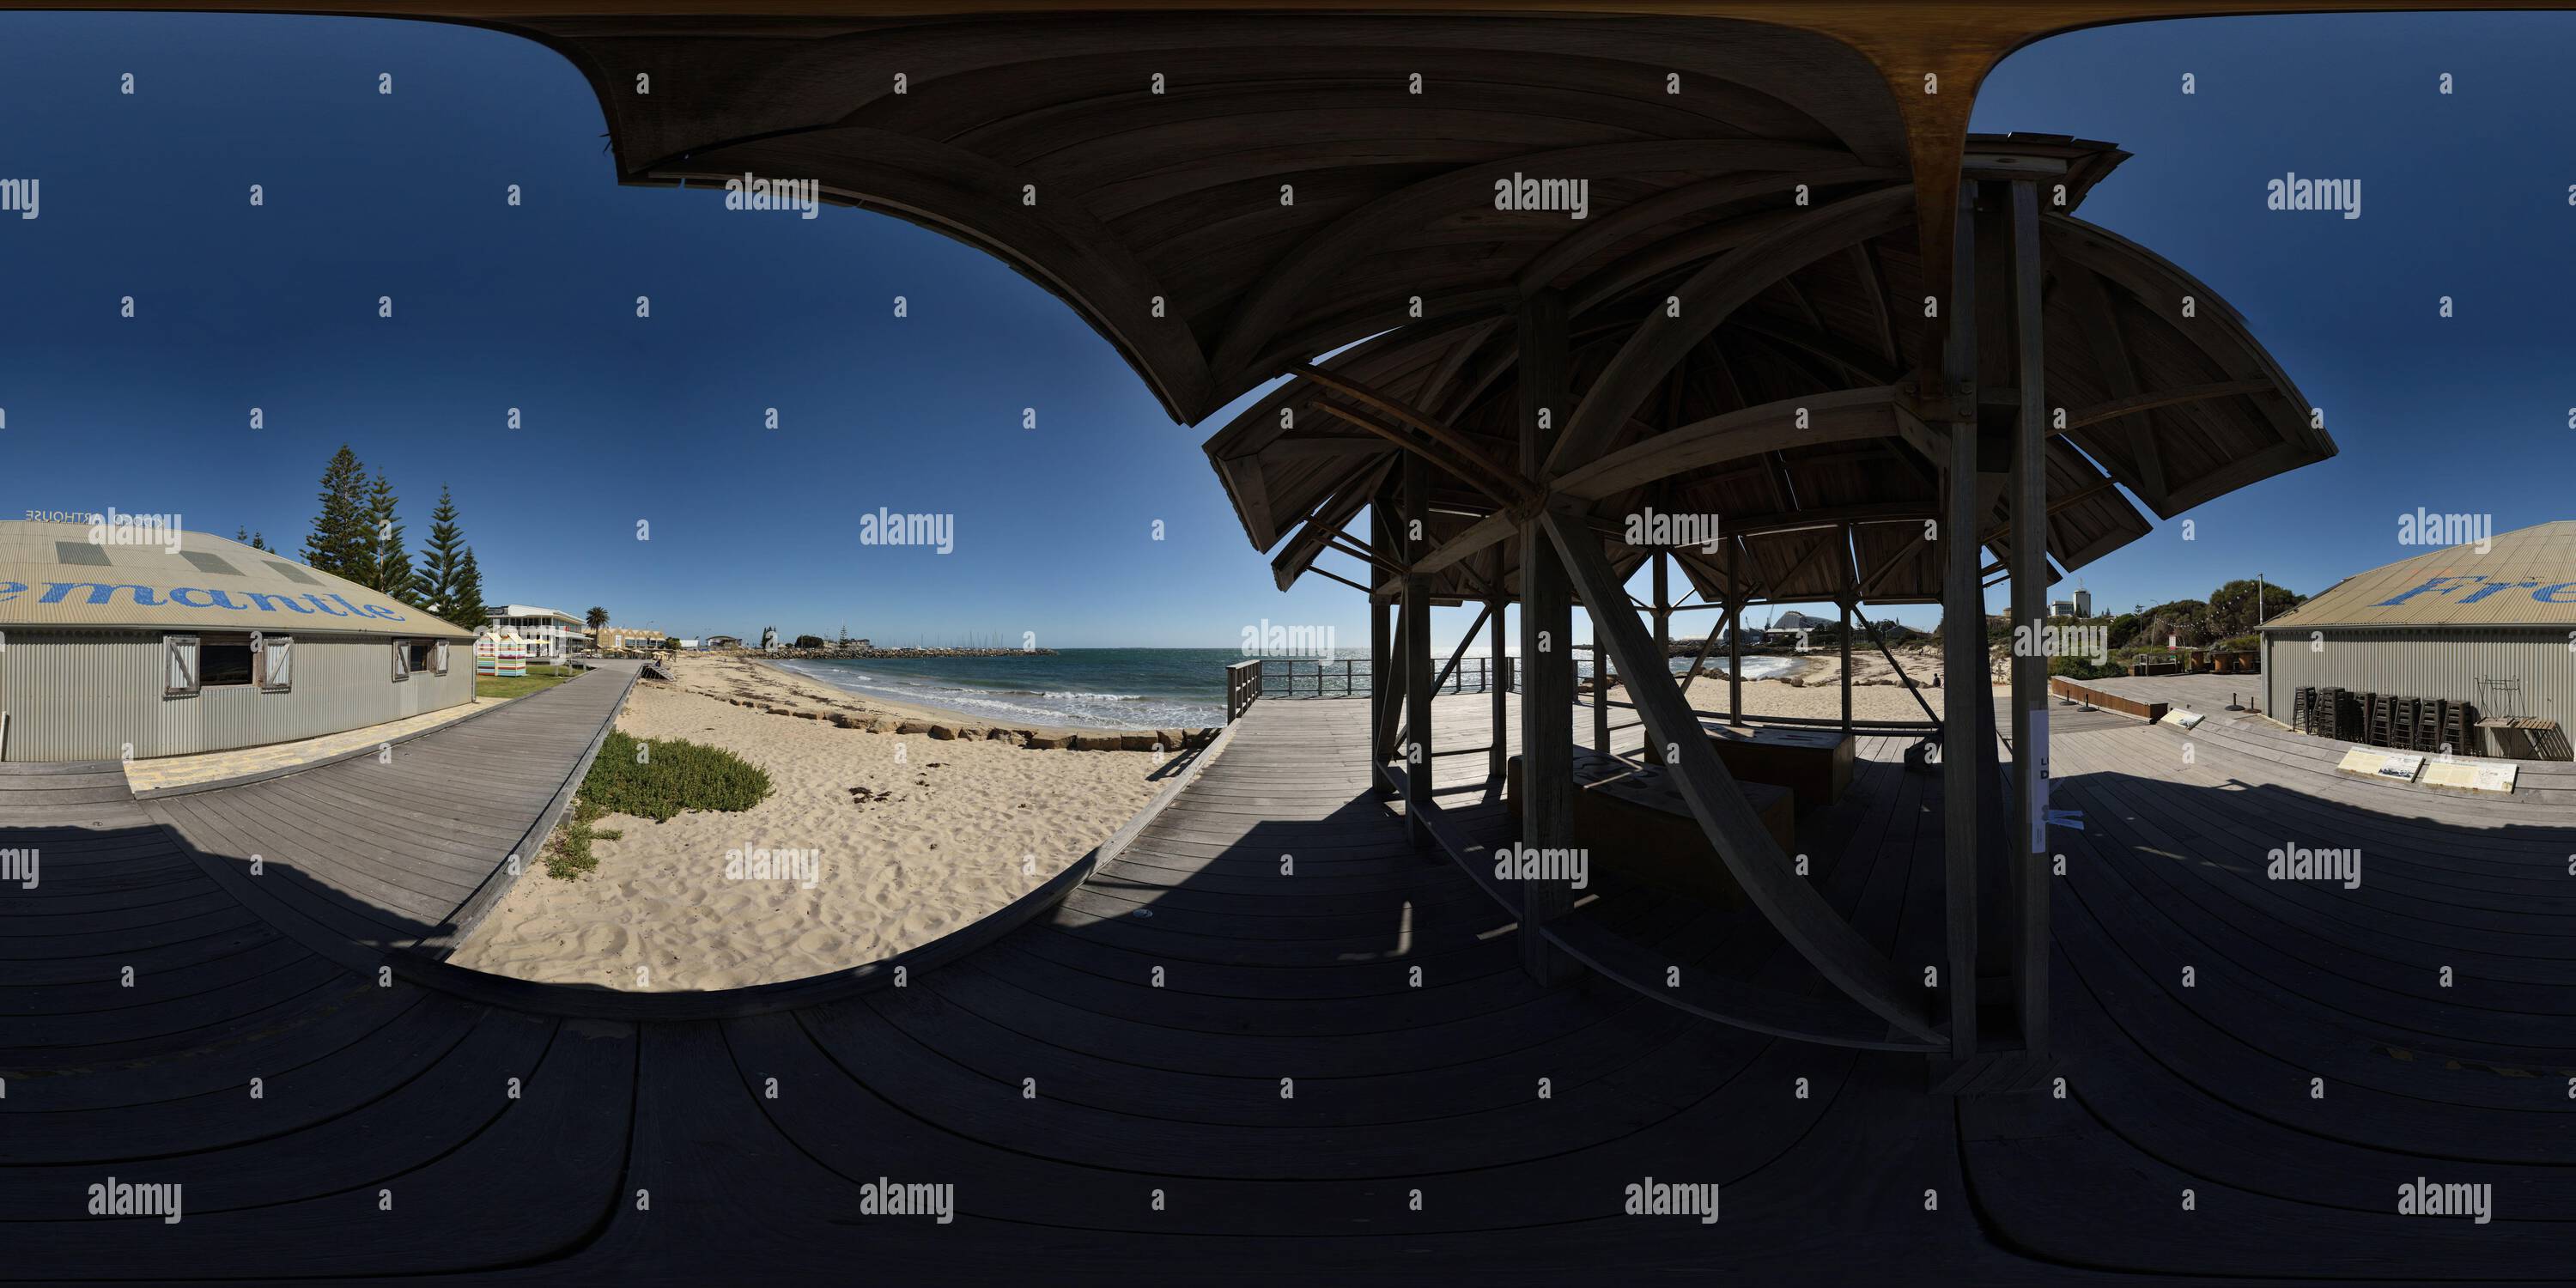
(341, 542)
(435, 586)
(388, 561)
(259, 541)
(465, 606)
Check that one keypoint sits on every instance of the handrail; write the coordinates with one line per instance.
(1242, 688)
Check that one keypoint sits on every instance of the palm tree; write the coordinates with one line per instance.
(597, 618)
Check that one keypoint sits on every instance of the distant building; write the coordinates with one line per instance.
(190, 643)
(552, 634)
(2062, 608)
(629, 637)
(2489, 628)
(768, 637)
(724, 641)
(684, 643)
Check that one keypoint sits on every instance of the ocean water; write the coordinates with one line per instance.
(1091, 688)
(1104, 688)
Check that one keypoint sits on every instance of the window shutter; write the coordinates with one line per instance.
(442, 657)
(402, 662)
(277, 663)
(179, 666)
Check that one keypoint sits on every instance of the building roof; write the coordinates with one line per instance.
(2526, 577)
(60, 575)
(531, 610)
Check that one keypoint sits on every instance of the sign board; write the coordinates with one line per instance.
(2368, 763)
(2038, 762)
(2472, 776)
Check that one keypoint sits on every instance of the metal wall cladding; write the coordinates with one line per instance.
(87, 695)
(2428, 663)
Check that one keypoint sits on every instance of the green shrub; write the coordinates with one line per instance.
(675, 775)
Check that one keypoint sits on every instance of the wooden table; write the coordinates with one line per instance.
(1634, 821)
(1816, 764)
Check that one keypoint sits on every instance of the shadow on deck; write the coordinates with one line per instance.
(1271, 1034)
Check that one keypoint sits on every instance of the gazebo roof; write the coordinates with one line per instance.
(1223, 194)
(2174, 409)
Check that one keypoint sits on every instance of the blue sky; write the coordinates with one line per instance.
(660, 420)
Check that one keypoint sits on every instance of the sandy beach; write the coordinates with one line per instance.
(1815, 691)
(909, 838)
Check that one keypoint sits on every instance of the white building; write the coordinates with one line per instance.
(552, 635)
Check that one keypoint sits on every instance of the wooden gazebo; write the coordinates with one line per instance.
(1746, 361)
(1793, 293)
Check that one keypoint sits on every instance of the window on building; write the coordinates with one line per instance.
(421, 656)
(223, 659)
(277, 663)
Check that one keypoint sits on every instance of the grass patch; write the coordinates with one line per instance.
(568, 854)
(655, 778)
(520, 686)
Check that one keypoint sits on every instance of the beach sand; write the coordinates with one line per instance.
(1815, 691)
(963, 828)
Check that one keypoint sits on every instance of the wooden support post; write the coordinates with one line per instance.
(1600, 689)
(1963, 641)
(1734, 639)
(1499, 746)
(1418, 684)
(1663, 634)
(1845, 641)
(2029, 851)
(1547, 637)
(1381, 651)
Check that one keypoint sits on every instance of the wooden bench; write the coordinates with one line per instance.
(1635, 822)
(1815, 764)
(2063, 687)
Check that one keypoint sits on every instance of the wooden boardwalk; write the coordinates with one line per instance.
(1272, 1037)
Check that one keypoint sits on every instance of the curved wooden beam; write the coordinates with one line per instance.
(1793, 906)
(967, 197)
(1606, 230)
(1319, 261)
(1317, 533)
(1841, 416)
(1706, 300)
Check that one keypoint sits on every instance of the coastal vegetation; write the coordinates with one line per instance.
(655, 778)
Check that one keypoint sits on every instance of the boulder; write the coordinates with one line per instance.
(1095, 742)
(943, 733)
(913, 726)
(1141, 741)
(1049, 741)
(845, 720)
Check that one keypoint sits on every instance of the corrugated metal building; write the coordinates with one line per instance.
(2495, 628)
(120, 639)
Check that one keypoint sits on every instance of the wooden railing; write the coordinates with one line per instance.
(1242, 688)
(1350, 677)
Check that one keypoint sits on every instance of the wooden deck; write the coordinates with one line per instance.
(1271, 1037)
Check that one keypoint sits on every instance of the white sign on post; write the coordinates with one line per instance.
(2036, 764)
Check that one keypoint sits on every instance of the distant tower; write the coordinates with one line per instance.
(2083, 602)
(768, 638)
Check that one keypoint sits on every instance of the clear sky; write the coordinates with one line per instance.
(660, 420)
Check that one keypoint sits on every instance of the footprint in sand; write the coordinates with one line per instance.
(601, 939)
